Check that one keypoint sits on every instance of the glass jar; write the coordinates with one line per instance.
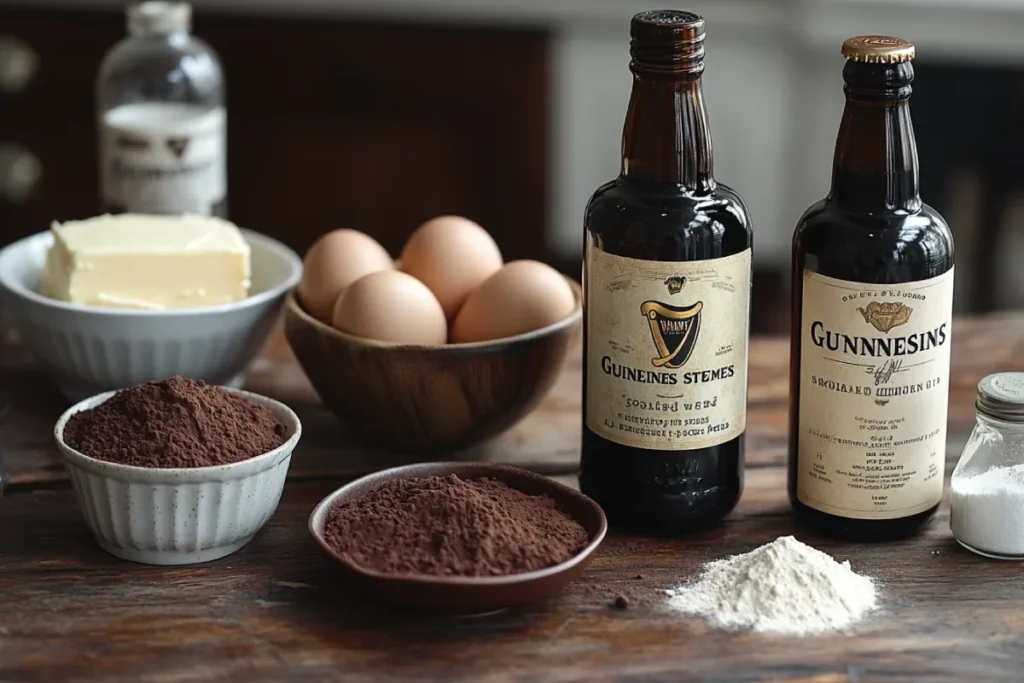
(986, 497)
(161, 116)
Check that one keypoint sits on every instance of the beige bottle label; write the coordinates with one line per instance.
(163, 158)
(667, 350)
(874, 391)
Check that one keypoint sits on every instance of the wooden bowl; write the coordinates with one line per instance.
(461, 594)
(429, 399)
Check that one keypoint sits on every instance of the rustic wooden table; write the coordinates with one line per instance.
(275, 611)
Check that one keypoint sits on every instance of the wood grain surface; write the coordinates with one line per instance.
(545, 441)
(277, 611)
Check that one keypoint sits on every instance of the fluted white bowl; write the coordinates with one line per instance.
(92, 349)
(175, 516)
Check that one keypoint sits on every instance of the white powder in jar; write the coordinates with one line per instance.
(987, 510)
(783, 587)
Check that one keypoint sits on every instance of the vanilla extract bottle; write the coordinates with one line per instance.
(161, 117)
(871, 319)
(667, 266)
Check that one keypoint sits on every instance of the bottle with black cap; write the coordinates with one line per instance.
(161, 117)
(667, 267)
(871, 321)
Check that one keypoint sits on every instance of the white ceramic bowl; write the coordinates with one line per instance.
(98, 349)
(178, 515)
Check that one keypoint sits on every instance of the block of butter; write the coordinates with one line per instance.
(147, 262)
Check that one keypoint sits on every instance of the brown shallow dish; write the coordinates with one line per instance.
(467, 595)
(429, 399)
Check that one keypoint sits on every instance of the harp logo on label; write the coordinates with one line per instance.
(674, 330)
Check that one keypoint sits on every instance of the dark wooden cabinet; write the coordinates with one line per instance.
(332, 124)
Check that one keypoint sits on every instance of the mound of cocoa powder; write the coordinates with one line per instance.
(448, 526)
(175, 422)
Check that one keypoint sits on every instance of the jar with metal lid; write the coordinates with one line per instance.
(986, 497)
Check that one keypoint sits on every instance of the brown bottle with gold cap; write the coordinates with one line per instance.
(666, 303)
(871, 313)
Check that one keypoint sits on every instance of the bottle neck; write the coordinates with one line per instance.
(158, 16)
(875, 165)
(666, 137)
(179, 37)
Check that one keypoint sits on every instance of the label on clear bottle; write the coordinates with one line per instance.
(166, 158)
(874, 392)
(667, 350)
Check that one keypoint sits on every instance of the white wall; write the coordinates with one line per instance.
(774, 114)
(586, 124)
(773, 85)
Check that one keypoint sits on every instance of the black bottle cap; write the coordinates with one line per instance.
(667, 40)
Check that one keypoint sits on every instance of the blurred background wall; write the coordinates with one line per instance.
(379, 114)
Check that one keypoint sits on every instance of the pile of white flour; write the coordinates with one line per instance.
(784, 587)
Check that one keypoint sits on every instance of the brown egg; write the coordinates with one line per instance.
(334, 262)
(391, 306)
(452, 256)
(522, 296)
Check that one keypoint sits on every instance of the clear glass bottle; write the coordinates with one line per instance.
(986, 497)
(161, 117)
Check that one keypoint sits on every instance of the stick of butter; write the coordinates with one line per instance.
(147, 262)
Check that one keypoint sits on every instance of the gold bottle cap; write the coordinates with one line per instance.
(878, 49)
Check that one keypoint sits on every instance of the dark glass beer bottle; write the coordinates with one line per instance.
(872, 307)
(667, 265)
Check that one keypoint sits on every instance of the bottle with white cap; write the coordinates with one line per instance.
(162, 121)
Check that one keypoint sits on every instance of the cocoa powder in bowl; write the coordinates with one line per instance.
(448, 526)
(175, 422)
